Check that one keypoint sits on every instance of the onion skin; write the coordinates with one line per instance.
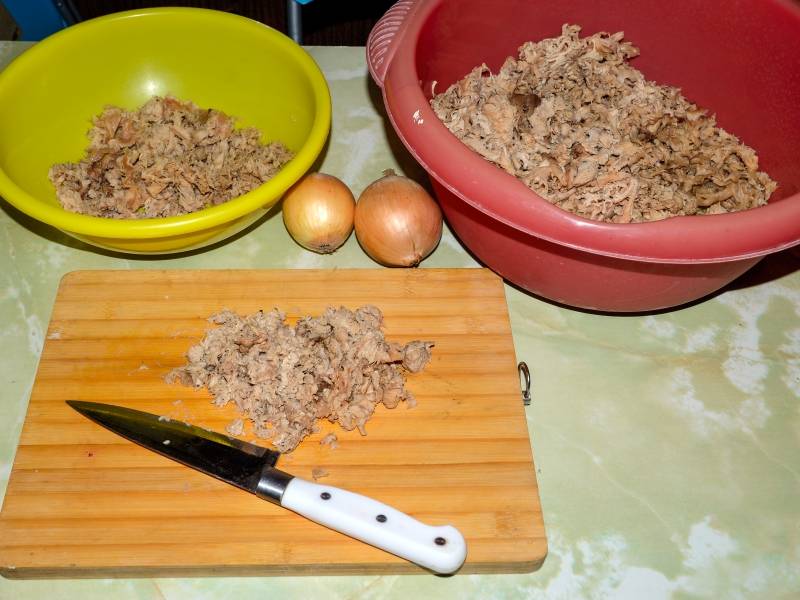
(318, 212)
(397, 223)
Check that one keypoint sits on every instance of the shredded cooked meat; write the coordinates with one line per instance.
(235, 427)
(167, 158)
(337, 366)
(332, 441)
(319, 473)
(586, 131)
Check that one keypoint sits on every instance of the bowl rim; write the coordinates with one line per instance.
(473, 179)
(206, 218)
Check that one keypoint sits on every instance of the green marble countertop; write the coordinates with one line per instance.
(667, 445)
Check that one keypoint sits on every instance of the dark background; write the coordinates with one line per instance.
(324, 22)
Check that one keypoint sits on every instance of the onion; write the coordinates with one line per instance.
(318, 212)
(397, 222)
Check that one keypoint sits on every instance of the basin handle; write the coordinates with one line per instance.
(386, 36)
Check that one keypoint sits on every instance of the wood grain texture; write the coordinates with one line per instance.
(83, 502)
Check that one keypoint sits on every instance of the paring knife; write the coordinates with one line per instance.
(252, 468)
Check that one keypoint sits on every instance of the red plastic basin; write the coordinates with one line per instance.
(740, 60)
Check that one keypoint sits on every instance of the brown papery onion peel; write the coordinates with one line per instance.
(318, 212)
(397, 222)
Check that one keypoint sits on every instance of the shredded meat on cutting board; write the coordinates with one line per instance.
(337, 366)
(168, 158)
(586, 131)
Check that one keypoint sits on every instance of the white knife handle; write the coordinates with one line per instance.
(440, 549)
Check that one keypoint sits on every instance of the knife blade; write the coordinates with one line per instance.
(441, 549)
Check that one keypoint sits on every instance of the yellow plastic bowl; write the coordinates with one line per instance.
(49, 95)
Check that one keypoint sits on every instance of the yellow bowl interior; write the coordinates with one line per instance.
(248, 70)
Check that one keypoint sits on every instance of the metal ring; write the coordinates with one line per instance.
(526, 383)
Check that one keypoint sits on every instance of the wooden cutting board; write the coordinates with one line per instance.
(83, 502)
